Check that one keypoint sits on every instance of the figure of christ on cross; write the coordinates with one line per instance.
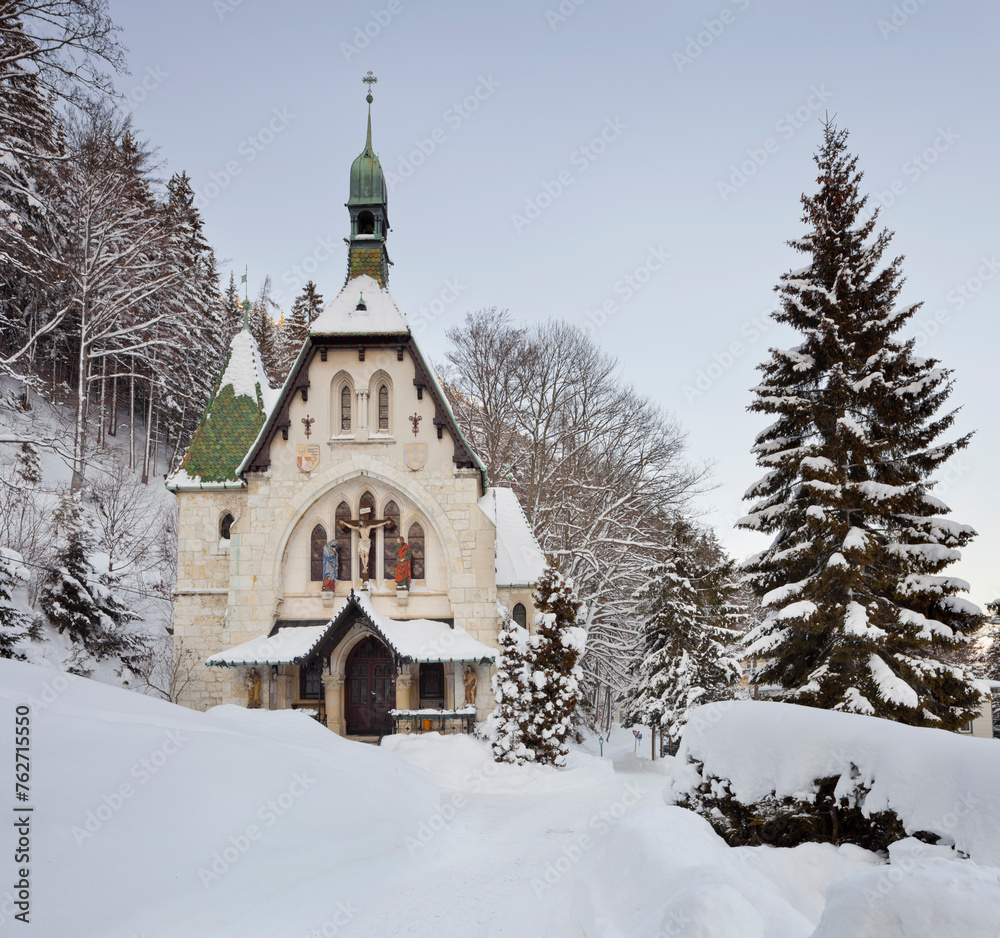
(364, 527)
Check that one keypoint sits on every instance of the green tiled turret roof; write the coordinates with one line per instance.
(232, 419)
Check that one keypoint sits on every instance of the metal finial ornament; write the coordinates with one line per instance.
(369, 80)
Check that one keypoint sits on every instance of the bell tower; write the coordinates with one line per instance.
(368, 208)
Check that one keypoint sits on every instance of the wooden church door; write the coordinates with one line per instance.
(371, 693)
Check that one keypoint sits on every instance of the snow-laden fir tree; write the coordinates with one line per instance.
(15, 625)
(554, 669)
(76, 600)
(690, 618)
(307, 306)
(512, 691)
(859, 611)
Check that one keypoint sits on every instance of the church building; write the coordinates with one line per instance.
(340, 548)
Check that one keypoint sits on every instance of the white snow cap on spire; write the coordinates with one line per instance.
(362, 307)
(245, 370)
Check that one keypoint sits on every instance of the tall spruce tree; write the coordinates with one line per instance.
(554, 671)
(689, 620)
(859, 615)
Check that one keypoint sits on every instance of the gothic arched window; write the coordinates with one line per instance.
(415, 538)
(343, 539)
(317, 541)
(521, 615)
(390, 540)
(383, 408)
(225, 526)
(345, 409)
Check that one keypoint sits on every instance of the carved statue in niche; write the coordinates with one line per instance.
(252, 683)
(470, 679)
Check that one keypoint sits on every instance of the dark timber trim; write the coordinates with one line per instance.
(298, 382)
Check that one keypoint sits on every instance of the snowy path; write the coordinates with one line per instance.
(502, 855)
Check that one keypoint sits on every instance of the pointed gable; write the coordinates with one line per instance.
(361, 308)
(234, 416)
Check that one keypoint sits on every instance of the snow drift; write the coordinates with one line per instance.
(934, 781)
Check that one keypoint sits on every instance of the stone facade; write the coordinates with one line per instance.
(229, 592)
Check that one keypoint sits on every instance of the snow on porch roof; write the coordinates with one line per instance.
(289, 645)
(422, 641)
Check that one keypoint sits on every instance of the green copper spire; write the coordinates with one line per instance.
(367, 205)
(367, 183)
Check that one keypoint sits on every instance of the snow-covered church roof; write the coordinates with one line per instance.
(363, 307)
(519, 559)
(235, 413)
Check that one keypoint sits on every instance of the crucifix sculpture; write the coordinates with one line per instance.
(364, 527)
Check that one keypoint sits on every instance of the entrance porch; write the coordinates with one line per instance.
(366, 675)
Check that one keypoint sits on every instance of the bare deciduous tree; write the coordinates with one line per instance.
(600, 471)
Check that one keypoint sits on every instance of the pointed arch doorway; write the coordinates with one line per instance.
(369, 689)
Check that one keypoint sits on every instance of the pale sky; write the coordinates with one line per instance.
(544, 152)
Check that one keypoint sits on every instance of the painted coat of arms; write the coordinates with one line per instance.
(307, 456)
(415, 455)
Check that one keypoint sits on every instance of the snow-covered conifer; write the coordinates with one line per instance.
(15, 625)
(307, 306)
(689, 620)
(859, 613)
(512, 692)
(77, 601)
(554, 669)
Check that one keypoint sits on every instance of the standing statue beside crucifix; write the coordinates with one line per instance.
(404, 559)
(364, 527)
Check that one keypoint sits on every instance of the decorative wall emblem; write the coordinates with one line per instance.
(415, 455)
(307, 456)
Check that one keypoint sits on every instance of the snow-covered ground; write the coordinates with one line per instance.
(152, 820)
